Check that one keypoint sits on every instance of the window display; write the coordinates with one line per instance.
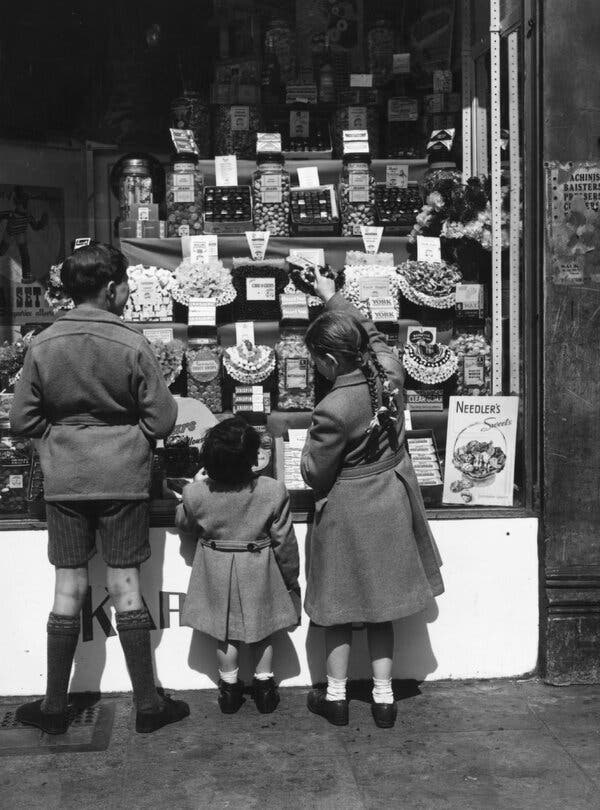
(376, 121)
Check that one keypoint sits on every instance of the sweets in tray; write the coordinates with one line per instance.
(397, 208)
(227, 209)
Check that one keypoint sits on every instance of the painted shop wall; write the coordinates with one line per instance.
(484, 626)
(571, 132)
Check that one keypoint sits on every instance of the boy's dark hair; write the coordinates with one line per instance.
(90, 268)
(229, 451)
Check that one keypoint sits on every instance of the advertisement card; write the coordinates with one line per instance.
(429, 249)
(203, 248)
(202, 312)
(257, 242)
(480, 451)
(226, 170)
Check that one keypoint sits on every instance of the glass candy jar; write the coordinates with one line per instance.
(185, 186)
(271, 193)
(189, 111)
(380, 52)
(235, 128)
(203, 365)
(295, 373)
(280, 37)
(357, 194)
(135, 184)
(356, 116)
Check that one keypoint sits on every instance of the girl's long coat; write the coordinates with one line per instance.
(373, 557)
(240, 595)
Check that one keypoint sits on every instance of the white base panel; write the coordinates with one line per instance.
(484, 626)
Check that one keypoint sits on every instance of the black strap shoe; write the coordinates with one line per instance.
(231, 696)
(384, 714)
(31, 714)
(335, 711)
(265, 695)
(171, 711)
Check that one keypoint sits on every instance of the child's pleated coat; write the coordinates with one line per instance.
(372, 556)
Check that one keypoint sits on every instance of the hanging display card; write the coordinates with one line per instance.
(480, 451)
(361, 80)
(294, 306)
(382, 308)
(257, 242)
(81, 241)
(202, 312)
(396, 175)
(244, 330)
(184, 141)
(315, 256)
(357, 117)
(260, 289)
(573, 223)
(403, 109)
(204, 248)
(268, 142)
(421, 334)
(400, 63)
(429, 249)
(154, 335)
(226, 170)
(299, 124)
(373, 287)
(29, 304)
(371, 236)
(308, 177)
(356, 141)
(240, 119)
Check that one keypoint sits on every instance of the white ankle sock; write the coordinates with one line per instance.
(263, 676)
(229, 677)
(336, 688)
(382, 690)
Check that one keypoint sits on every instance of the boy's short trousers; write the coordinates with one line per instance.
(122, 527)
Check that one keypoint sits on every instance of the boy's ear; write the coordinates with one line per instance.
(111, 289)
(332, 359)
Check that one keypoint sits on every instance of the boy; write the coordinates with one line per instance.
(93, 395)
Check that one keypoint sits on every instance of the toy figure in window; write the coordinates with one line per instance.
(18, 221)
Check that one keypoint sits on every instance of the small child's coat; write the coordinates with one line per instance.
(235, 594)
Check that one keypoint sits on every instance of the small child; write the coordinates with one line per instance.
(245, 570)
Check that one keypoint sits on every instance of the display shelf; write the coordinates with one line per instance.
(166, 253)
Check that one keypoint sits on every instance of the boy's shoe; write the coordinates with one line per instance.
(170, 712)
(384, 714)
(231, 696)
(265, 695)
(335, 711)
(31, 714)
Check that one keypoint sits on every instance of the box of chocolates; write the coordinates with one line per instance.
(227, 209)
(397, 208)
(314, 211)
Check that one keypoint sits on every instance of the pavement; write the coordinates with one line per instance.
(481, 745)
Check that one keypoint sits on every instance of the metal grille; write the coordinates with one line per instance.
(9, 720)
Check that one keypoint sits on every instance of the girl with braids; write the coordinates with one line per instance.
(373, 558)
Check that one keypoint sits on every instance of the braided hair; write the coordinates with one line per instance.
(343, 336)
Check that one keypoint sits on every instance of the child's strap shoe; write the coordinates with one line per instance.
(384, 714)
(335, 711)
(171, 711)
(231, 696)
(31, 714)
(266, 695)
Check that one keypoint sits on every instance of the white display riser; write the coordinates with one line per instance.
(484, 626)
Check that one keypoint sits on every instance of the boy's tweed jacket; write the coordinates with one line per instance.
(372, 555)
(246, 560)
(93, 393)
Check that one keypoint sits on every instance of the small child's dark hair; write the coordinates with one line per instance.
(230, 450)
(91, 268)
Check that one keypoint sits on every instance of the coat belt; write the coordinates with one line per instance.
(260, 543)
(87, 420)
(365, 470)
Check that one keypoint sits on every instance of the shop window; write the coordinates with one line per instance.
(401, 116)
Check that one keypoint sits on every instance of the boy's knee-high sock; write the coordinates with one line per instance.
(63, 634)
(134, 634)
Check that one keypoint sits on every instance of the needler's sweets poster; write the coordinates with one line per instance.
(480, 451)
